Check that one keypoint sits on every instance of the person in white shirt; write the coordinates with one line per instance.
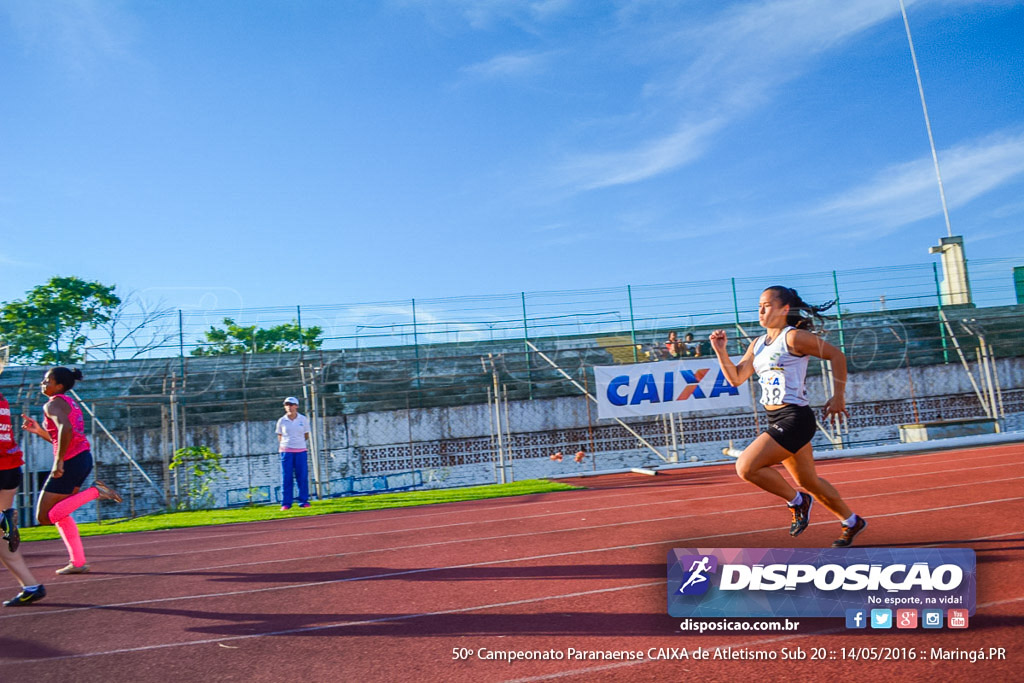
(779, 358)
(292, 438)
(691, 348)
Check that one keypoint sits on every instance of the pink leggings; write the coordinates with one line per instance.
(60, 515)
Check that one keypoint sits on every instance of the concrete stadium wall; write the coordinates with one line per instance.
(451, 446)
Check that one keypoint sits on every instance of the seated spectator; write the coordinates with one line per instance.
(691, 348)
(673, 346)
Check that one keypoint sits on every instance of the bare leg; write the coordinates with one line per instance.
(756, 463)
(46, 502)
(16, 564)
(14, 561)
(801, 467)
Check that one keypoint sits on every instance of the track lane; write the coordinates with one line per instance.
(589, 589)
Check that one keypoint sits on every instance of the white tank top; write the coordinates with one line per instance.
(780, 373)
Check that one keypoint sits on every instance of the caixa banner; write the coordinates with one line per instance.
(817, 582)
(669, 386)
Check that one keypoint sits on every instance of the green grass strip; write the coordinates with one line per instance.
(381, 501)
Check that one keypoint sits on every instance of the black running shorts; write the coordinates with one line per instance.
(791, 426)
(10, 479)
(75, 472)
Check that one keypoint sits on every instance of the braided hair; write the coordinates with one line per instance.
(801, 314)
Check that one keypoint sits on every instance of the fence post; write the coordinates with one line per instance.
(184, 385)
(736, 313)
(942, 330)
(245, 421)
(632, 323)
(839, 312)
(526, 351)
(416, 348)
(95, 444)
(175, 440)
(181, 343)
(317, 442)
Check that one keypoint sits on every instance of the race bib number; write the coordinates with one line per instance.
(773, 387)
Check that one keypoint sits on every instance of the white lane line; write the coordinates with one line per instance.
(747, 490)
(996, 603)
(342, 624)
(425, 570)
(595, 494)
(459, 610)
(981, 538)
(420, 546)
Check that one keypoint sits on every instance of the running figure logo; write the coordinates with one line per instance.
(698, 567)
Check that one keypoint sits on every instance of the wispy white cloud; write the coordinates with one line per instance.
(651, 158)
(754, 47)
(547, 228)
(77, 33)
(484, 13)
(983, 235)
(908, 192)
(528, 15)
(506, 66)
(6, 260)
(1007, 210)
(567, 239)
(721, 70)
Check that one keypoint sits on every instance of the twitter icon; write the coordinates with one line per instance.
(881, 618)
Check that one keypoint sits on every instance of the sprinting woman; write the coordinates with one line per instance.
(11, 460)
(72, 463)
(780, 357)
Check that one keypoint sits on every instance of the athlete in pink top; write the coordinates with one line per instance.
(79, 442)
(72, 464)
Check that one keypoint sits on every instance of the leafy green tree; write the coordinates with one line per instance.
(236, 339)
(201, 465)
(49, 326)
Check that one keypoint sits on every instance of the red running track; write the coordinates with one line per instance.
(388, 595)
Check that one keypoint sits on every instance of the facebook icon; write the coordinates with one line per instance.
(856, 618)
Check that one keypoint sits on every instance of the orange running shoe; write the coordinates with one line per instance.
(106, 493)
(850, 532)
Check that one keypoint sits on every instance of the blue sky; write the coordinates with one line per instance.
(278, 153)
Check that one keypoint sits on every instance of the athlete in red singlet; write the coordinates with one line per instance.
(11, 461)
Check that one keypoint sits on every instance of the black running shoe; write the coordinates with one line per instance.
(10, 526)
(801, 514)
(850, 532)
(26, 597)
